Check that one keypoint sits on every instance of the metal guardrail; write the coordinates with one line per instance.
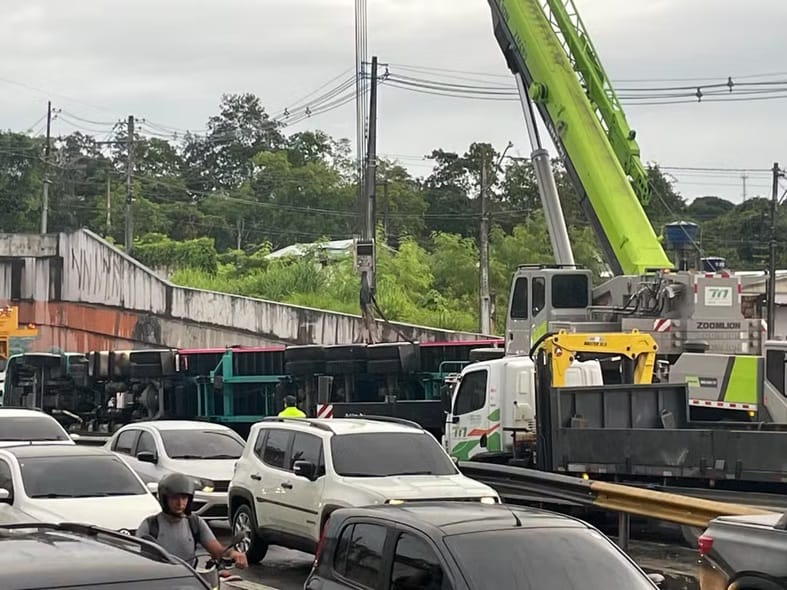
(519, 483)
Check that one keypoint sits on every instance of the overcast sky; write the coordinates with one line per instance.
(168, 61)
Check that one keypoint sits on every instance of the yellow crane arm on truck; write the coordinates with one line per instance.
(10, 328)
(561, 350)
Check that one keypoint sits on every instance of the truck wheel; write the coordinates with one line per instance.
(303, 353)
(301, 368)
(243, 521)
(345, 352)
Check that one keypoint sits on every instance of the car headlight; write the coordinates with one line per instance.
(204, 485)
(394, 502)
(488, 500)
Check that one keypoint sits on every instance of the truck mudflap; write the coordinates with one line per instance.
(644, 430)
(429, 414)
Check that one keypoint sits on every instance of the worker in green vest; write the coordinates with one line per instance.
(290, 409)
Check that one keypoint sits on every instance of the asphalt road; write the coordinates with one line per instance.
(284, 569)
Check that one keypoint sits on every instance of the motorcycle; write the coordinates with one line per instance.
(216, 571)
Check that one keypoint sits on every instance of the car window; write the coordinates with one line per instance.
(544, 558)
(471, 395)
(359, 554)
(6, 480)
(276, 446)
(259, 443)
(519, 300)
(383, 454)
(82, 476)
(202, 444)
(539, 294)
(146, 443)
(307, 447)
(125, 441)
(416, 566)
(24, 428)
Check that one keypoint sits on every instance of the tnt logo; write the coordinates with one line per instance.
(718, 296)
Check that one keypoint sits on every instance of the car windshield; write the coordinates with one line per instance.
(170, 584)
(202, 444)
(26, 428)
(544, 558)
(86, 476)
(386, 454)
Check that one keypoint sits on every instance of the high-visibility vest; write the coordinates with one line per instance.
(291, 412)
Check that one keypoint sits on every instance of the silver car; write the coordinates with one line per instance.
(204, 451)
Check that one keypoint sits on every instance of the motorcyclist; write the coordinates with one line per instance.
(291, 410)
(177, 529)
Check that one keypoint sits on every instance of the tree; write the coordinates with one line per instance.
(222, 159)
(704, 209)
(21, 176)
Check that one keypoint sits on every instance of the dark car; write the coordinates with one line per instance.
(37, 556)
(744, 553)
(464, 546)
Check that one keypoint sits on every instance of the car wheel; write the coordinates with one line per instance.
(252, 545)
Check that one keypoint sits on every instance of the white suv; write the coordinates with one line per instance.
(294, 472)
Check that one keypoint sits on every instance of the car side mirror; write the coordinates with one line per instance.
(74, 436)
(147, 457)
(5, 495)
(153, 487)
(657, 579)
(305, 469)
(454, 419)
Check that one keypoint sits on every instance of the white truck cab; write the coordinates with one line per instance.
(498, 394)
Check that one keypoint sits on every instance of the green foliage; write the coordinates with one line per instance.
(157, 250)
(211, 208)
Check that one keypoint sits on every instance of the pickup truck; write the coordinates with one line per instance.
(744, 553)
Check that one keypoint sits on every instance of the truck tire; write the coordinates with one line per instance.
(303, 353)
(386, 367)
(244, 521)
(387, 351)
(304, 368)
(345, 352)
(345, 367)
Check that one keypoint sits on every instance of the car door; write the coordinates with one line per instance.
(470, 416)
(270, 496)
(417, 564)
(147, 471)
(303, 496)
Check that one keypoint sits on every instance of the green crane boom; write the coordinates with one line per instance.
(545, 42)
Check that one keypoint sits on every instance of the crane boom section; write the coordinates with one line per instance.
(567, 24)
(535, 51)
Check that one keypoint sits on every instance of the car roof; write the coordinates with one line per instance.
(63, 556)
(342, 426)
(9, 412)
(29, 450)
(454, 518)
(177, 425)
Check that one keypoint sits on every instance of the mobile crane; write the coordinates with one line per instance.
(688, 311)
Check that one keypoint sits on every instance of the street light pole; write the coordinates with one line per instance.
(771, 294)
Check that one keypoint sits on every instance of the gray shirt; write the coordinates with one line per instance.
(175, 536)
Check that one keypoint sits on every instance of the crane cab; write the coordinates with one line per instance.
(546, 298)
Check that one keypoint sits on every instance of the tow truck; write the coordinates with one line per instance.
(687, 308)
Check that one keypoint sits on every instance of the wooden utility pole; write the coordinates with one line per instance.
(45, 197)
(129, 241)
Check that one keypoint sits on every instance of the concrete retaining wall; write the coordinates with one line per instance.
(85, 294)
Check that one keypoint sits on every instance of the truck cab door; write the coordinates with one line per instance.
(469, 430)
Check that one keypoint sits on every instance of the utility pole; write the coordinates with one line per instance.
(109, 203)
(771, 295)
(744, 177)
(485, 314)
(484, 296)
(385, 210)
(129, 171)
(365, 249)
(45, 198)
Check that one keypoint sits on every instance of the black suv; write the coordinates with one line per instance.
(83, 557)
(464, 546)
